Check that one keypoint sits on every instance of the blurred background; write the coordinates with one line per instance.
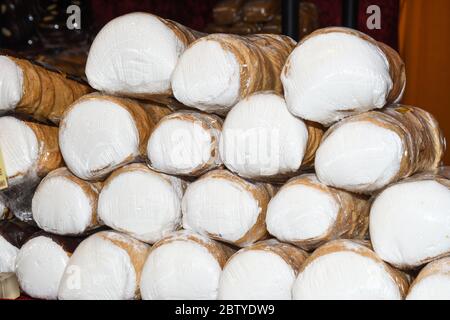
(419, 29)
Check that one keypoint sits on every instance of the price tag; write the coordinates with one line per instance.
(3, 177)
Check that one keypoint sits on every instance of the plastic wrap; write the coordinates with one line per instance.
(134, 55)
(108, 265)
(66, 205)
(263, 271)
(185, 143)
(228, 12)
(41, 262)
(36, 91)
(253, 142)
(261, 10)
(225, 207)
(432, 283)
(30, 150)
(141, 202)
(308, 213)
(358, 75)
(101, 133)
(184, 266)
(239, 66)
(13, 234)
(390, 145)
(348, 270)
(409, 221)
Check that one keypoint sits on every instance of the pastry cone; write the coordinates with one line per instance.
(134, 55)
(356, 75)
(185, 143)
(409, 221)
(348, 270)
(226, 207)
(30, 150)
(218, 70)
(33, 90)
(365, 153)
(13, 234)
(65, 205)
(308, 214)
(432, 283)
(101, 133)
(264, 271)
(141, 202)
(254, 141)
(40, 264)
(105, 266)
(184, 266)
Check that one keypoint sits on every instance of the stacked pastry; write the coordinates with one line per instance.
(251, 167)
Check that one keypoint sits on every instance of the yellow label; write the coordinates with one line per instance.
(3, 177)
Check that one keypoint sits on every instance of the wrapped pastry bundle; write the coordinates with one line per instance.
(30, 150)
(100, 133)
(134, 55)
(409, 221)
(365, 153)
(65, 205)
(264, 271)
(184, 266)
(218, 70)
(253, 142)
(308, 214)
(185, 143)
(348, 270)
(226, 207)
(432, 283)
(357, 75)
(41, 262)
(141, 202)
(228, 12)
(261, 10)
(34, 90)
(13, 234)
(105, 266)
